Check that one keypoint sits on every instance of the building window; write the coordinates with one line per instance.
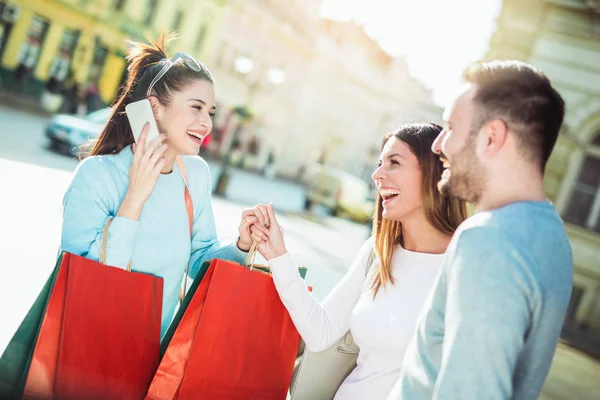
(100, 55)
(31, 48)
(8, 17)
(151, 11)
(177, 20)
(580, 334)
(584, 206)
(62, 62)
(119, 4)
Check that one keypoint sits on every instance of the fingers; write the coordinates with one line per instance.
(262, 208)
(248, 222)
(157, 169)
(253, 212)
(143, 136)
(253, 221)
(157, 156)
(257, 234)
(257, 237)
(154, 145)
(137, 155)
(260, 212)
(151, 157)
(248, 212)
(271, 214)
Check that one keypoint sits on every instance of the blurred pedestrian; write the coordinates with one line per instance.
(269, 169)
(93, 100)
(73, 98)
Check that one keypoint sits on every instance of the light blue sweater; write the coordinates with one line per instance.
(159, 243)
(490, 327)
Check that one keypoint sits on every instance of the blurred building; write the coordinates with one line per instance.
(319, 90)
(291, 88)
(563, 38)
(83, 41)
(353, 94)
(263, 52)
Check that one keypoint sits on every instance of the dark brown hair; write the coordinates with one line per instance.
(144, 61)
(444, 213)
(522, 96)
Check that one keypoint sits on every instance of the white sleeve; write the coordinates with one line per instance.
(320, 324)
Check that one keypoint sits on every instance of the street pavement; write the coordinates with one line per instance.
(34, 179)
(250, 188)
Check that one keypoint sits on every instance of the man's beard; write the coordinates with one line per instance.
(467, 177)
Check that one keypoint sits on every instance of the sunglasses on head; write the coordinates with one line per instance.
(188, 61)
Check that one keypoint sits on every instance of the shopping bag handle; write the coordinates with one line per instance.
(102, 256)
(251, 256)
(189, 205)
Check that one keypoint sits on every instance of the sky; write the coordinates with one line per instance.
(437, 37)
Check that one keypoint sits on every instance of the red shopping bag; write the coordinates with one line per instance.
(100, 335)
(236, 340)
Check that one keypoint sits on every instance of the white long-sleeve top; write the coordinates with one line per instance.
(381, 327)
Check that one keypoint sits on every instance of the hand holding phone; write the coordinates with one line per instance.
(146, 166)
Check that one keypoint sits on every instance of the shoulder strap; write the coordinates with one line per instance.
(187, 196)
(189, 206)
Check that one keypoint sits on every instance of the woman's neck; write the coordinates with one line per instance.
(420, 236)
(168, 167)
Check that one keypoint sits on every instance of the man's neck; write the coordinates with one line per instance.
(509, 191)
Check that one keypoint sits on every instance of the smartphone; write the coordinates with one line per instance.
(138, 113)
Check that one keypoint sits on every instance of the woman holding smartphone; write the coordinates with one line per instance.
(139, 189)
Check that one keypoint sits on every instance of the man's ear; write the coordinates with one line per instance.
(496, 132)
(157, 108)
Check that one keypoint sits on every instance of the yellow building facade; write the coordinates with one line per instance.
(85, 40)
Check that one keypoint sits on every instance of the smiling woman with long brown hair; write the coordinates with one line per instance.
(378, 302)
(437, 217)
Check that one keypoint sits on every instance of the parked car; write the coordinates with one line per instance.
(343, 194)
(67, 132)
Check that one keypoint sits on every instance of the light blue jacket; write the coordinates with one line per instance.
(159, 243)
